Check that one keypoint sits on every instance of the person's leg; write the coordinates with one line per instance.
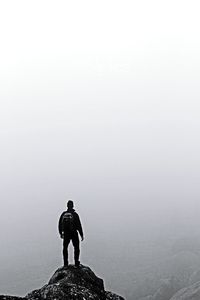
(66, 242)
(75, 241)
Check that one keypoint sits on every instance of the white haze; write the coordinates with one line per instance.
(99, 104)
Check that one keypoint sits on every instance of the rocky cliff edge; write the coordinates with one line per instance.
(70, 283)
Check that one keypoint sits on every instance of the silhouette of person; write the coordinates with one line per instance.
(69, 226)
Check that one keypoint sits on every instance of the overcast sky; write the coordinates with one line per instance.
(99, 103)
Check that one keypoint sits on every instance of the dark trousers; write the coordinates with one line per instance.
(75, 241)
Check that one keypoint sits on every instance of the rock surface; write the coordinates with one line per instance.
(70, 283)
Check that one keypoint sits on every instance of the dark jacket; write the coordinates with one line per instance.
(77, 222)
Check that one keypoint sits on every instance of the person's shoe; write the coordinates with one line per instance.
(77, 263)
(66, 265)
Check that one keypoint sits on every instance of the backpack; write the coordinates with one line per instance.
(68, 224)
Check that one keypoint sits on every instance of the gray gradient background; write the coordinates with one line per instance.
(99, 103)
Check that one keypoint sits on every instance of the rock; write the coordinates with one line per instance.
(112, 296)
(70, 283)
(82, 276)
(189, 293)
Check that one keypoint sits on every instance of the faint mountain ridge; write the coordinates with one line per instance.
(191, 292)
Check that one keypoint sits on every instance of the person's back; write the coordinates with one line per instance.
(69, 226)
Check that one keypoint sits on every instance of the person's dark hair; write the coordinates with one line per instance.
(70, 204)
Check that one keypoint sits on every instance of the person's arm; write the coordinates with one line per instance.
(60, 225)
(79, 227)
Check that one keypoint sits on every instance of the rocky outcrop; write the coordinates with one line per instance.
(70, 283)
(189, 293)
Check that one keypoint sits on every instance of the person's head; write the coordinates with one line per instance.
(70, 204)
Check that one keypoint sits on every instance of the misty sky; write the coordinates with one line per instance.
(99, 102)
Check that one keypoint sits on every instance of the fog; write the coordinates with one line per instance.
(99, 104)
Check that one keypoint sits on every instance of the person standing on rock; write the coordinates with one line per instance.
(69, 226)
